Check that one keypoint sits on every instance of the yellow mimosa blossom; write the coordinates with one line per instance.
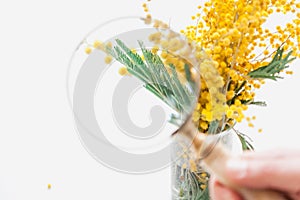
(231, 32)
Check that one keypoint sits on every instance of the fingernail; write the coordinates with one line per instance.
(237, 167)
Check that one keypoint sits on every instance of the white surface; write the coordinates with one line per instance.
(38, 142)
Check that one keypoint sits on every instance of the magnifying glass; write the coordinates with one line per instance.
(162, 77)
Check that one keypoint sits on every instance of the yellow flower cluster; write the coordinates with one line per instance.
(175, 51)
(100, 46)
(231, 32)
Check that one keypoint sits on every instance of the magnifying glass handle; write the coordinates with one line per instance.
(215, 161)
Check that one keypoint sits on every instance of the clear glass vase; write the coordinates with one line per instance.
(189, 178)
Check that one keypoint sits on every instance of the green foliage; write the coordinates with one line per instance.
(246, 141)
(272, 70)
(163, 81)
(190, 188)
(258, 103)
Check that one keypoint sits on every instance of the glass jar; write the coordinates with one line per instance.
(189, 178)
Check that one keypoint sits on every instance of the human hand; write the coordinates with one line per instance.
(276, 170)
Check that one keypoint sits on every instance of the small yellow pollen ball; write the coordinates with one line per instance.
(204, 125)
(108, 59)
(203, 187)
(97, 44)
(226, 42)
(88, 50)
(123, 71)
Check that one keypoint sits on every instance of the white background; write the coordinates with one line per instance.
(38, 141)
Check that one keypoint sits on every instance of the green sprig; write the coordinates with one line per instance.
(272, 70)
(154, 74)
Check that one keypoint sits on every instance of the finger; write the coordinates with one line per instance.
(220, 192)
(272, 154)
(279, 174)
